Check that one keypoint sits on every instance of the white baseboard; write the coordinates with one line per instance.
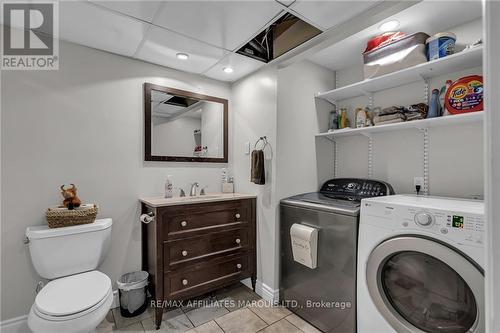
(264, 291)
(15, 325)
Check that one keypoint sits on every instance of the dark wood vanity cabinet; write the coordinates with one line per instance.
(195, 248)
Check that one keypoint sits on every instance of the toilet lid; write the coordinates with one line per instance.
(73, 294)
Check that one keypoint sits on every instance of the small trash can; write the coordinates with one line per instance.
(132, 292)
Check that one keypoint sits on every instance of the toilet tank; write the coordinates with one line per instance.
(57, 252)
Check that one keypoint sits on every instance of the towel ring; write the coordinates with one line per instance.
(264, 140)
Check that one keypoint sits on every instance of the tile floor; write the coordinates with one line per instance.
(232, 310)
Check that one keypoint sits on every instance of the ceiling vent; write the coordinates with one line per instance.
(280, 37)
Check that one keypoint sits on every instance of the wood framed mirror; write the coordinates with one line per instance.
(183, 126)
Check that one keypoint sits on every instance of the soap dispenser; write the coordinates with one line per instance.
(169, 186)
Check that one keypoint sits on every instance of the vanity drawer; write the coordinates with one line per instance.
(205, 277)
(190, 250)
(181, 221)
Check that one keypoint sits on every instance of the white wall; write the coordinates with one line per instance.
(253, 106)
(280, 104)
(491, 12)
(83, 124)
(212, 128)
(304, 162)
(174, 138)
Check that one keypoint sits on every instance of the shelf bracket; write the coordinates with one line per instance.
(330, 139)
(370, 153)
(426, 88)
(425, 162)
(370, 156)
(335, 160)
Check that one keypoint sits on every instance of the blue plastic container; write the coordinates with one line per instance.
(440, 45)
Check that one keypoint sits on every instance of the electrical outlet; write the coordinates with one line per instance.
(418, 181)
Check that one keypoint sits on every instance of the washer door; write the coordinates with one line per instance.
(420, 285)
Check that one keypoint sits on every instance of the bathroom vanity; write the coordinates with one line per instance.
(196, 245)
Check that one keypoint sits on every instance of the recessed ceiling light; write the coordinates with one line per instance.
(389, 26)
(182, 56)
(228, 70)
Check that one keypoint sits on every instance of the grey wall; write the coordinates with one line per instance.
(174, 138)
(82, 124)
(253, 104)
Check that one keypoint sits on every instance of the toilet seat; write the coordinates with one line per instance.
(72, 296)
(75, 294)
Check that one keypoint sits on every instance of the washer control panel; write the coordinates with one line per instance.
(424, 219)
(462, 228)
(355, 188)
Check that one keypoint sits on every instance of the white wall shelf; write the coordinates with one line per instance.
(418, 124)
(453, 63)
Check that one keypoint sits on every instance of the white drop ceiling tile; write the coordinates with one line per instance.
(86, 24)
(144, 10)
(286, 2)
(327, 14)
(161, 47)
(226, 24)
(240, 64)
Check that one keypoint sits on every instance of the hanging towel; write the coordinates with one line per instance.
(258, 173)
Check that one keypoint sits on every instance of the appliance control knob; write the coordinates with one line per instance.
(351, 186)
(424, 219)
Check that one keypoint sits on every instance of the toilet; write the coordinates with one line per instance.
(78, 297)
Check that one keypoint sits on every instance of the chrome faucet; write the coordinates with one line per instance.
(194, 185)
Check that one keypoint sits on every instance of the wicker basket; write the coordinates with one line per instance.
(58, 217)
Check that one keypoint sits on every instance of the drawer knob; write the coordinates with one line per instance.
(238, 241)
(184, 282)
(238, 266)
(184, 253)
(184, 223)
(237, 215)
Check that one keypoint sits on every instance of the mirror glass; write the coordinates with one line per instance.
(185, 127)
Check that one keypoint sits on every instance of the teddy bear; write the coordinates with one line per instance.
(71, 200)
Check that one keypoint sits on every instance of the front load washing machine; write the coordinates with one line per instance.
(420, 265)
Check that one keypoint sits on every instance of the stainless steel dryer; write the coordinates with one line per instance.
(326, 295)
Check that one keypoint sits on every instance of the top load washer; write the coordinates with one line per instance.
(324, 293)
(420, 265)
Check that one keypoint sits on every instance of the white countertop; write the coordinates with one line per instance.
(209, 197)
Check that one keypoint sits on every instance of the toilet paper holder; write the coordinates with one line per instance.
(147, 218)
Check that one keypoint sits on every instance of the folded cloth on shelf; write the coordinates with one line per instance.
(390, 110)
(397, 120)
(388, 117)
(414, 116)
(416, 112)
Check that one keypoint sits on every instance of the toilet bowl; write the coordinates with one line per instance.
(78, 297)
(73, 304)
